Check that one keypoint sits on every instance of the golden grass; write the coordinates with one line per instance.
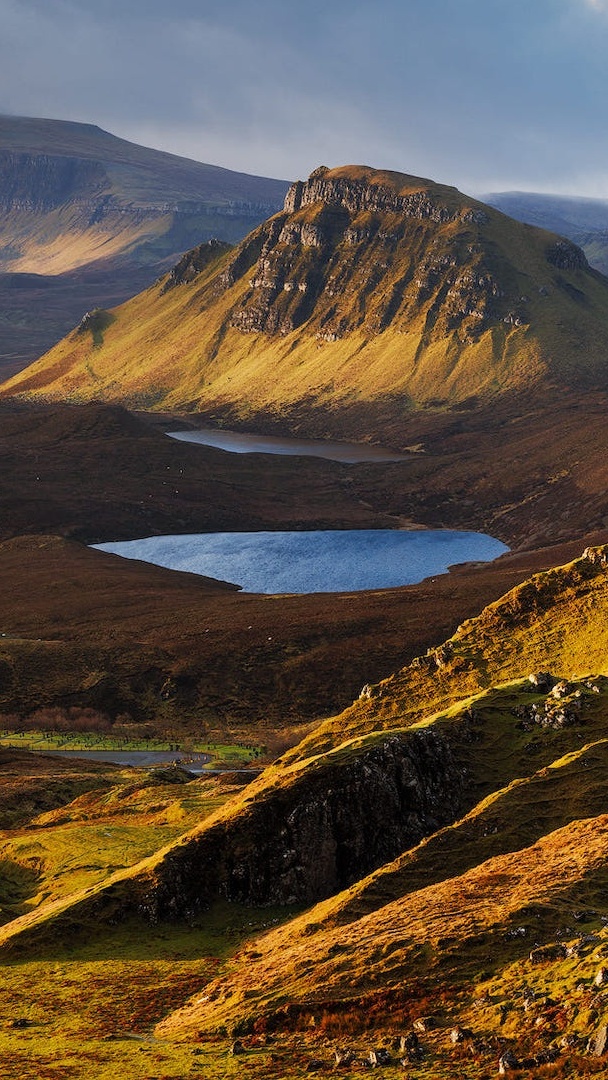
(180, 351)
(434, 933)
(555, 621)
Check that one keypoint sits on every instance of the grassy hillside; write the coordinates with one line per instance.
(488, 917)
(371, 294)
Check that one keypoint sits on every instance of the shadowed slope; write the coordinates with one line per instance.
(87, 220)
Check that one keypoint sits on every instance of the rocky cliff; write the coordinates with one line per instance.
(303, 840)
(369, 295)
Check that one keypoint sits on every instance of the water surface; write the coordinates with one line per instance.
(308, 562)
(238, 442)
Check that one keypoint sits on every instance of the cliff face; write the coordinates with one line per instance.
(304, 841)
(353, 250)
(42, 182)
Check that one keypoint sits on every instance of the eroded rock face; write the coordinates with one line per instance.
(44, 182)
(348, 253)
(305, 841)
(194, 262)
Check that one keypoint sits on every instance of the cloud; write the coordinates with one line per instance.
(477, 94)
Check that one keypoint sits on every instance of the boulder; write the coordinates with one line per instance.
(507, 1063)
(598, 1043)
(459, 1034)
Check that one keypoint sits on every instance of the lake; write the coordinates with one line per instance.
(308, 562)
(238, 442)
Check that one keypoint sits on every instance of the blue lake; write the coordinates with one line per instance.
(309, 562)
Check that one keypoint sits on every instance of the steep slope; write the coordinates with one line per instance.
(583, 220)
(71, 194)
(412, 758)
(87, 219)
(426, 949)
(553, 620)
(450, 856)
(370, 295)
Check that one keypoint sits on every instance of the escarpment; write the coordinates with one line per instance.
(304, 841)
(356, 252)
(369, 295)
(44, 182)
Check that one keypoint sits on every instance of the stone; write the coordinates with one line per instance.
(237, 1048)
(379, 1057)
(459, 1034)
(598, 1043)
(543, 953)
(424, 1023)
(507, 1063)
(411, 1047)
(601, 979)
(344, 1057)
(541, 682)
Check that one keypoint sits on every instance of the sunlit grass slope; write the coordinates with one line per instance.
(369, 289)
(554, 621)
(442, 718)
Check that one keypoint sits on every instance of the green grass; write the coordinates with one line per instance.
(229, 753)
(91, 1007)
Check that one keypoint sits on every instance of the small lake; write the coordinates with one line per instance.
(237, 442)
(137, 758)
(310, 562)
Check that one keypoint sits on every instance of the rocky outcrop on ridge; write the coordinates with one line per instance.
(363, 250)
(303, 841)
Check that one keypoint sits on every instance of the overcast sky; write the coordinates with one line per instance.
(486, 94)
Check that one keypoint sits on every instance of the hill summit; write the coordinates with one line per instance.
(369, 294)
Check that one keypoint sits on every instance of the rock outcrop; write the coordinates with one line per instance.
(344, 233)
(305, 840)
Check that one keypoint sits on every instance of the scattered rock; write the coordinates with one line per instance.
(543, 953)
(541, 682)
(411, 1047)
(507, 1063)
(424, 1023)
(344, 1058)
(601, 979)
(568, 1042)
(598, 1043)
(459, 1034)
(379, 1057)
(237, 1048)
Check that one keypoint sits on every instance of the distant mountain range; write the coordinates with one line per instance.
(87, 219)
(583, 220)
(370, 296)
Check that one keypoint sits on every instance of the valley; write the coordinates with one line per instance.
(402, 862)
(88, 220)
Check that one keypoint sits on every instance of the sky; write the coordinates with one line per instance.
(489, 95)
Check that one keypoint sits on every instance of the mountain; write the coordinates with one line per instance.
(88, 219)
(370, 297)
(583, 220)
(429, 867)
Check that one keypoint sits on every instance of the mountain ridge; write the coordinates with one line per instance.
(370, 290)
(97, 218)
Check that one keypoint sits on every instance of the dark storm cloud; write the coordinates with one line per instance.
(482, 93)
